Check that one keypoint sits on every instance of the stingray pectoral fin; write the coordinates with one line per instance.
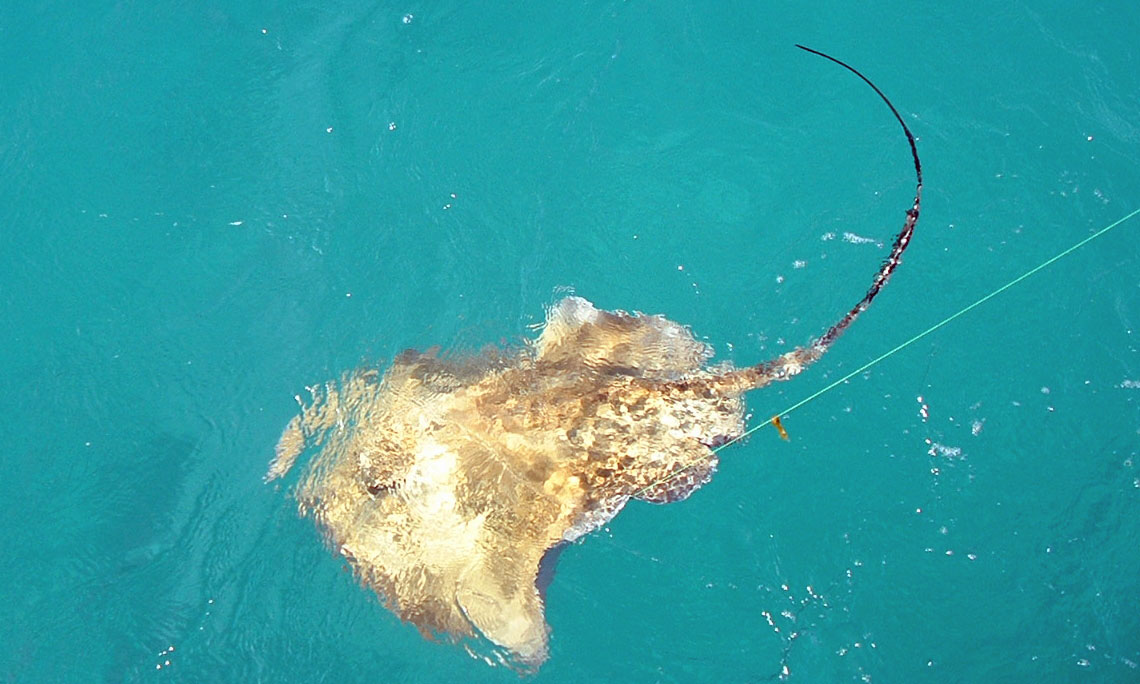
(686, 477)
(289, 446)
(579, 336)
(503, 604)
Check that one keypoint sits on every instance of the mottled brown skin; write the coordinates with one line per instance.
(537, 448)
(444, 482)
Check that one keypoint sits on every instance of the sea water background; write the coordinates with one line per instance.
(207, 207)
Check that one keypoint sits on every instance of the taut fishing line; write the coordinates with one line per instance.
(891, 352)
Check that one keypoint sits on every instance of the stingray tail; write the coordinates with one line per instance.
(790, 364)
(901, 240)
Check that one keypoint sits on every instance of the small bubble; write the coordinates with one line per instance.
(391, 125)
(408, 18)
(329, 129)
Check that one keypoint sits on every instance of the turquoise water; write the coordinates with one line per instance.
(208, 208)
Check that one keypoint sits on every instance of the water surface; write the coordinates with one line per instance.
(208, 208)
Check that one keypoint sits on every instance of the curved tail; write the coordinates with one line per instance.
(901, 240)
(791, 363)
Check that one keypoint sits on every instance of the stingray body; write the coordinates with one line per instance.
(445, 481)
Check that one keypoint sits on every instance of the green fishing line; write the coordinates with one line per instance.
(904, 345)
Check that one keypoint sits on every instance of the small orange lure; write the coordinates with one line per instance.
(780, 428)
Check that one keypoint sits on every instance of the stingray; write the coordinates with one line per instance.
(450, 484)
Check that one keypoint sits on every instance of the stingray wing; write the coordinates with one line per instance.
(446, 482)
(578, 336)
(691, 466)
